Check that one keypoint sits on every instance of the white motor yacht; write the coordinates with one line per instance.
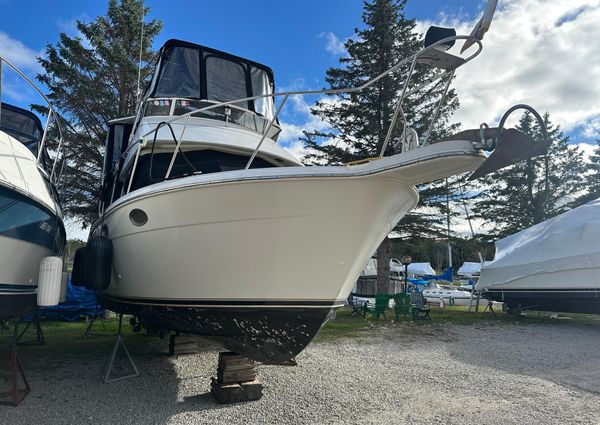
(31, 225)
(204, 214)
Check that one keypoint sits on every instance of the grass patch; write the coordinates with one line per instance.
(65, 340)
(347, 326)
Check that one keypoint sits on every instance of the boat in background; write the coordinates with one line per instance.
(31, 226)
(529, 272)
(203, 214)
(445, 294)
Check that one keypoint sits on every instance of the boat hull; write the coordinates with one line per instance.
(19, 268)
(267, 333)
(568, 300)
(256, 259)
(28, 233)
(246, 254)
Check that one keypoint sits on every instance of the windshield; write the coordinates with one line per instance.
(187, 70)
(22, 125)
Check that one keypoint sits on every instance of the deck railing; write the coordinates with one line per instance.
(52, 174)
(433, 55)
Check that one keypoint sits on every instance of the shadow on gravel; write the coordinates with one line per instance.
(66, 385)
(564, 353)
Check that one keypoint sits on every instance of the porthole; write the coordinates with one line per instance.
(138, 217)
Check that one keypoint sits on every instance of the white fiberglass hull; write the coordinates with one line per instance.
(19, 268)
(30, 227)
(265, 239)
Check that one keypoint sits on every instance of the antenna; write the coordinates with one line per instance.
(482, 26)
(138, 93)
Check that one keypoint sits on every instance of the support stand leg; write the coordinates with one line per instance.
(490, 307)
(15, 395)
(89, 330)
(125, 371)
(35, 321)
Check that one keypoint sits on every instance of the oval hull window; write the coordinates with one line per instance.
(138, 217)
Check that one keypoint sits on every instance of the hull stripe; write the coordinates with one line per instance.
(545, 290)
(228, 303)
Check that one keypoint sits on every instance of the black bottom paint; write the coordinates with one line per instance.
(266, 334)
(14, 305)
(568, 301)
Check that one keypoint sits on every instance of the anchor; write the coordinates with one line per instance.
(508, 146)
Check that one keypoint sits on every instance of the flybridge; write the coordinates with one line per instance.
(192, 71)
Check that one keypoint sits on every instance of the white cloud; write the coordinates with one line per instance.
(297, 118)
(587, 149)
(591, 128)
(540, 52)
(14, 88)
(19, 54)
(333, 44)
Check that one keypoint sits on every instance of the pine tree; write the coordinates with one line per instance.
(92, 79)
(359, 122)
(535, 189)
(593, 178)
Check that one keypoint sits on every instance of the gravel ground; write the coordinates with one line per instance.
(488, 373)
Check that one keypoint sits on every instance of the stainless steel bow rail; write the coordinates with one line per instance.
(52, 175)
(434, 56)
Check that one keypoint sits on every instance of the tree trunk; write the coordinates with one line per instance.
(384, 253)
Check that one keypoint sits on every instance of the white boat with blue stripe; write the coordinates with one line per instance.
(31, 225)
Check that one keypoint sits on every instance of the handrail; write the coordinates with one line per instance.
(51, 115)
(343, 90)
(397, 112)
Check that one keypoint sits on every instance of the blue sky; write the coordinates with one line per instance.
(540, 52)
(291, 37)
(535, 52)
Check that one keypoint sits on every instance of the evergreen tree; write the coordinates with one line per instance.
(360, 121)
(92, 79)
(593, 178)
(535, 189)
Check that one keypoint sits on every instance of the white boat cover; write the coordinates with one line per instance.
(421, 269)
(470, 268)
(567, 243)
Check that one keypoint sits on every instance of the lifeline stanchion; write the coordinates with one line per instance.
(109, 366)
(15, 395)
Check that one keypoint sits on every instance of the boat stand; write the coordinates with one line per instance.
(35, 321)
(236, 380)
(490, 307)
(89, 331)
(15, 395)
(125, 369)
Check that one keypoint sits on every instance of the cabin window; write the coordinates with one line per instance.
(262, 85)
(225, 80)
(180, 74)
(152, 168)
(116, 143)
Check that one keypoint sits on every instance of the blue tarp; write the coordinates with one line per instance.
(80, 302)
(417, 281)
(447, 276)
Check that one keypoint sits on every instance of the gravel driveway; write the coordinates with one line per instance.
(484, 374)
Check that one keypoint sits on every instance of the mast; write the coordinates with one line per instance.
(448, 224)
